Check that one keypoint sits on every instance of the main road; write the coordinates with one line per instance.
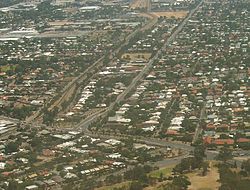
(83, 76)
(102, 113)
(95, 116)
(151, 141)
(198, 129)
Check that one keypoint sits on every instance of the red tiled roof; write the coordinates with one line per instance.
(10, 162)
(47, 152)
(6, 173)
(223, 126)
(210, 126)
(223, 141)
(243, 140)
(207, 140)
(172, 132)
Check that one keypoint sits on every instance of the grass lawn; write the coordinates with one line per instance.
(6, 68)
(165, 171)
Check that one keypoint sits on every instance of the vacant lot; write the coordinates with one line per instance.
(135, 4)
(123, 185)
(208, 182)
(168, 14)
(136, 56)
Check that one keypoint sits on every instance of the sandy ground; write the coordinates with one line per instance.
(123, 185)
(208, 182)
(136, 56)
(139, 4)
(168, 14)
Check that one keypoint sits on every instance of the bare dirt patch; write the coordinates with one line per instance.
(60, 23)
(136, 56)
(135, 4)
(123, 185)
(168, 14)
(208, 182)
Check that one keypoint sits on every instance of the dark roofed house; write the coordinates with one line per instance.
(39, 183)
(58, 179)
(50, 182)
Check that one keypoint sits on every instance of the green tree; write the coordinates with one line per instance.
(204, 168)
(225, 154)
(199, 153)
(135, 185)
(13, 185)
(181, 181)
(170, 186)
(11, 147)
(246, 166)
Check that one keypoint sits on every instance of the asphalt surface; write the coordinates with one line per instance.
(151, 141)
(92, 118)
(199, 129)
(146, 68)
(83, 75)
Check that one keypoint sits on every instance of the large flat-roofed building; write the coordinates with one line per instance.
(89, 8)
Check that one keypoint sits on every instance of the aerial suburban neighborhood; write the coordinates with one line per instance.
(125, 95)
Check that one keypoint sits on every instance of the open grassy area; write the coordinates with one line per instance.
(125, 186)
(139, 4)
(208, 182)
(198, 182)
(6, 68)
(165, 171)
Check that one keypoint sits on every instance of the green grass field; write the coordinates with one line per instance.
(165, 171)
(6, 68)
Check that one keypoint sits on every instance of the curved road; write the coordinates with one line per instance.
(153, 141)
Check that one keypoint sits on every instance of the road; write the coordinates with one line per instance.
(99, 63)
(152, 141)
(199, 129)
(94, 117)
